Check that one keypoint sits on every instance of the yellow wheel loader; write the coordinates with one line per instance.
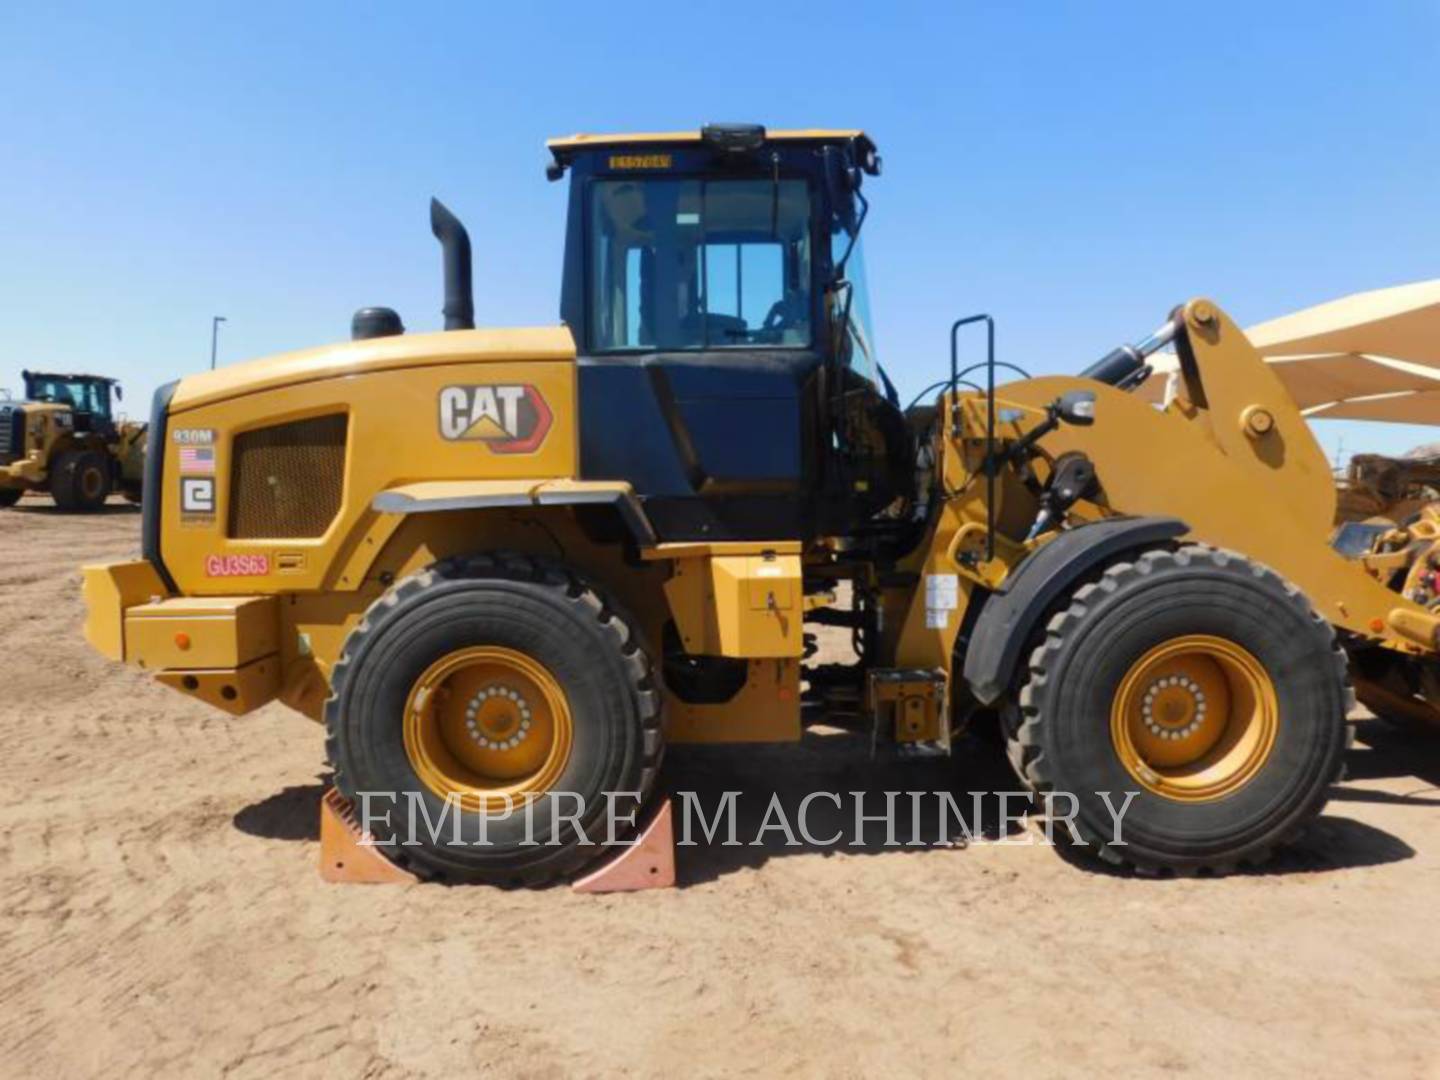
(505, 565)
(1405, 556)
(63, 439)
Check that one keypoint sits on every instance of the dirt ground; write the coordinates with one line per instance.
(160, 913)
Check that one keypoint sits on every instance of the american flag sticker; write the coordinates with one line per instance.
(197, 460)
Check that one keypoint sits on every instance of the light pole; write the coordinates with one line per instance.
(215, 322)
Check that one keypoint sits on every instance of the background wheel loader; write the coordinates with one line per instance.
(63, 439)
(500, 565)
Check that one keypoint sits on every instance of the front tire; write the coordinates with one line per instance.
(489, 681)
(9, 497)
(1201, 682)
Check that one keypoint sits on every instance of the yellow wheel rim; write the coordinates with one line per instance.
(1194, 718)
(91, 481)
(487, 723)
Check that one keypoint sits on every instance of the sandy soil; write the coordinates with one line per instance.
(160, 913)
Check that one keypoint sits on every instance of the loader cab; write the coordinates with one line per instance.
(720, 326)
(88, 397)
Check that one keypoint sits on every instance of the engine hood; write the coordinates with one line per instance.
(35, 408)
(375, 354)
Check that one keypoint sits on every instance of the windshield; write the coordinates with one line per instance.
(79, 394)
(852, 297)
(699, 264)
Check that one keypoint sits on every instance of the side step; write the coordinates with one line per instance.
(915, 704)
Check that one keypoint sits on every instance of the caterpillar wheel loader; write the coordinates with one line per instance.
(63, 438)
(503, 564)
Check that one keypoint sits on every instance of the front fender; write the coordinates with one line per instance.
(1012, 614)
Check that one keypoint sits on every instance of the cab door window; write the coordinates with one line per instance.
(699, 264)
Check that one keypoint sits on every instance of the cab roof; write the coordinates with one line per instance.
(67, 376)
(725, 138)
(650, 138)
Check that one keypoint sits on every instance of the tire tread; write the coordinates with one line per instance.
(1025, 747)
(567, 588)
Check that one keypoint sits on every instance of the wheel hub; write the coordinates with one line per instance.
(1194, 718)
(498, 717)
(487, 724)
(1173, 707)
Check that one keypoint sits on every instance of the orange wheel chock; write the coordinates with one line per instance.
(648, 863)
(344, 857)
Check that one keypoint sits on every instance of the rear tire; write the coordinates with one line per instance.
(1116, 701)
(9, 497)
(80, 481)
(515, 651)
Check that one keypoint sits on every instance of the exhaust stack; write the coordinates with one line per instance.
(455, 241)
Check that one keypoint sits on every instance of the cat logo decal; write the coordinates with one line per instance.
(508, 418)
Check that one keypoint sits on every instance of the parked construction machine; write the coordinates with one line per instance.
(1399, 686)
(63, 438)
(1378, 486)
(499, 565)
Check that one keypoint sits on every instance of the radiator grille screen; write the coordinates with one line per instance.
(12, 433)
(286, 481)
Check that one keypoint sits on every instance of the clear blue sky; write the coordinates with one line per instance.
(1074, 169)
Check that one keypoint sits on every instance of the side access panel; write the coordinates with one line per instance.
(735, 600)
(739, 606)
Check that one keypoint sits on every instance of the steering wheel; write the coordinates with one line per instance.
(782, 314)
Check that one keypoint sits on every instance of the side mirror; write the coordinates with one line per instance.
(1077, 407)
(119, 394)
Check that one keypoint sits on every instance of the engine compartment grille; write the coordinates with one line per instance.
(12, 433)
(287, 481)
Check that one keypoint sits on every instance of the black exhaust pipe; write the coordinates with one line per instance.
(459, 297)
